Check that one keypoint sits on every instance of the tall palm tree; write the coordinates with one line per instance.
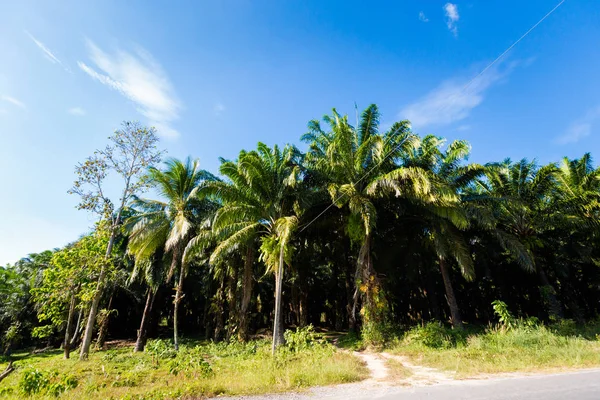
(259, 202)
(169, 225)
(445, 224)
(360, 166)
(524, 210)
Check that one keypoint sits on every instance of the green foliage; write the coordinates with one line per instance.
(302, 339)
(43, 331)
(200, 369)
(190, 361)
(504, 316)
(34, 381)
(160, 349)
(434, 335)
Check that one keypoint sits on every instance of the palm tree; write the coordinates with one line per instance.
(361, 165)
(445, 224)
(524, 210)
(258, 203)
(171, 224)
(580, 188)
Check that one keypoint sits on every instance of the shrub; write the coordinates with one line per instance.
(160, 349)
(435, 335)
(504, 316)
(34, 381)
(191, 362)
(301, 339)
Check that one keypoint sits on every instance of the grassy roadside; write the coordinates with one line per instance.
(199, 369)
(523, 348)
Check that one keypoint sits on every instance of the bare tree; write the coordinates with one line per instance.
(132, 149)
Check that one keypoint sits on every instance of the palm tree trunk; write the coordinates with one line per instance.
(232, 323)
(450, 297)
(350, 298)
(220, 314)
(178, 297)
(246, 295)
(103, 331)
(277, 323)
(67, 342)
(142, 332)
(369, 280)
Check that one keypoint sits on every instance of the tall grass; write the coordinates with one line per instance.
(525, 346)
(198, 369)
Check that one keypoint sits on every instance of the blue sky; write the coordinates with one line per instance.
(216, 77)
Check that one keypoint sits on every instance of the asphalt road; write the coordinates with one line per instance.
(575, 386)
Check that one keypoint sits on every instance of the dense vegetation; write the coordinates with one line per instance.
(364, 231)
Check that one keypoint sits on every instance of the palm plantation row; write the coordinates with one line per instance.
(364, 231)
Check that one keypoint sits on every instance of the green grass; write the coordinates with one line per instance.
(199, 369)
(524, 348)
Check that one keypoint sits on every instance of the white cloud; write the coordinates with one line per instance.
(13, 101)
(580, 128)
(452, 17)
(142, 80)
(453, 100)
(423, 17)
(76, 111)
(218, 108)
(47, 53)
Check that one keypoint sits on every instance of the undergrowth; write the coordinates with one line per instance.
(197, 369)
(517, 345)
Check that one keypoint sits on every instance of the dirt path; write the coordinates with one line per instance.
(420, 375)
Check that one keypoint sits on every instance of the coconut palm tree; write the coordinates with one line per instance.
(169, 225)
(259, 203)
(360, 166)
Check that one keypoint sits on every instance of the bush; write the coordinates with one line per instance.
(434, 335)
(160, 349)
(34, 381)
(300, 340)
(191, 362)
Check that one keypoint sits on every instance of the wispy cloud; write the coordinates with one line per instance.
(452, 17)
(453, 100)
(76, 111)
(47, 53)
(13, 101)
(218, 108)
(142, 80)
(580, 128)
(423, 17)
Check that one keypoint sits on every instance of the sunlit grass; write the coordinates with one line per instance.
(523, 349)
(234, 369)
